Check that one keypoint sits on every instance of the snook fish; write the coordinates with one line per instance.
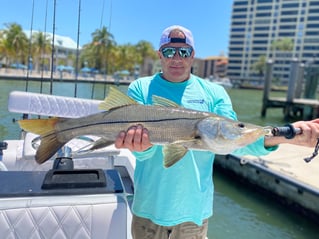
(177, 129)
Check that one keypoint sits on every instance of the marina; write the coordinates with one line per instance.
(304, 220)
(84, 193)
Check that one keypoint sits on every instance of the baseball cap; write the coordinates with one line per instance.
(189, 40)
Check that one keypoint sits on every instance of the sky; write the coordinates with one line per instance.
(128, 21)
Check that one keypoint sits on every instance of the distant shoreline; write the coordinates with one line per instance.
(13, 74)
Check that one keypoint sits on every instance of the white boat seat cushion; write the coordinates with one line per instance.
(51, 105)
(64, 217)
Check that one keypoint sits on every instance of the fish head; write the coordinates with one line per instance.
(223, 136)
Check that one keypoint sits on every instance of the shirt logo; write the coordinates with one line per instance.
(198, 101)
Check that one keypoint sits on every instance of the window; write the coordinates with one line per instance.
(313, 10)
(264, 1)
(261, 8)
(239, 10)
(238, 30)
(241, 3)
(261, 35)
(286, 34)
(287, 27)
(266, 28)
(314, 33)
(288, 20)
(290, 5)
(313, 26)
(239, 16)
(291, 12)
(264, 14)
(313, 18)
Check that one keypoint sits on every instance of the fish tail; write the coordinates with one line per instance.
(46, 129)
(39, 126)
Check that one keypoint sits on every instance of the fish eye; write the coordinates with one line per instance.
(241, 125)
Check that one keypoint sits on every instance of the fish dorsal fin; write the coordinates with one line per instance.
(115, 99)
(161, 101)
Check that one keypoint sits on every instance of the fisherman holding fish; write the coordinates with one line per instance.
(176, 202)
(174, 122)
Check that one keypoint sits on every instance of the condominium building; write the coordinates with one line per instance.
(257, 24)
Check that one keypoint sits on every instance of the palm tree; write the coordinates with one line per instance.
(3, 52)
(16, 42)
(145, 51)
(125, 57)
(284, 44)
(102, 45)
(260, 65)
(41, 47)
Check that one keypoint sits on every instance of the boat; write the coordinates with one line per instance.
(77, 193)
(225, 82)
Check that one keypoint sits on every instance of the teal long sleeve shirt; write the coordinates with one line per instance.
(184, 191)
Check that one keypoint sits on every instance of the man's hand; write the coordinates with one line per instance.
(135, 139)
(308, 137)
(310, 133)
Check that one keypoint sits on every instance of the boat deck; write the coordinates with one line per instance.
(282, 173)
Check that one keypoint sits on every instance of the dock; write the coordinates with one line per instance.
(11, 74)
(301, 94)
(283, 174)
(295, 107)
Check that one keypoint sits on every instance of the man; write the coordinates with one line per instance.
(176, 202)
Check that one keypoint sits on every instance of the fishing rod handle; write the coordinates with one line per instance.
(288, 131)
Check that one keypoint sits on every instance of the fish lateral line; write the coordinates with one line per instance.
(129, 121)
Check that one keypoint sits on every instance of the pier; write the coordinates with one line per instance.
(294, 105)
(282, 174)
(15, 74)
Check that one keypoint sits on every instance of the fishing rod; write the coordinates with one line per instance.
(53, 48)
(289, 132)
(101, 22)
(30, 50)
(25, 116)
(77, 51)
(43, 46)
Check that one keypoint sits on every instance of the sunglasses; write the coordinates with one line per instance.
(184, 52)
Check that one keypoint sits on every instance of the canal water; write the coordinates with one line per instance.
(239, 211)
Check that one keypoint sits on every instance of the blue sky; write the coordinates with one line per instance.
(129, 21)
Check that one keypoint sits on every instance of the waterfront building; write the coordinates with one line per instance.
(65, 50)
(257, 24)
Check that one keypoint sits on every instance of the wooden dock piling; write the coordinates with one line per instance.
(308, 107)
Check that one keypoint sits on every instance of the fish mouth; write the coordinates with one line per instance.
(261, 131)
(268, 130)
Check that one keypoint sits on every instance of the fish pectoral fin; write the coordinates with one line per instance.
(173, 153)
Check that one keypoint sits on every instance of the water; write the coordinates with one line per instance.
(239, 211)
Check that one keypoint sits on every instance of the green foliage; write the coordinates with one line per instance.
(260, 65)
(102, 53)
(284, 44)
